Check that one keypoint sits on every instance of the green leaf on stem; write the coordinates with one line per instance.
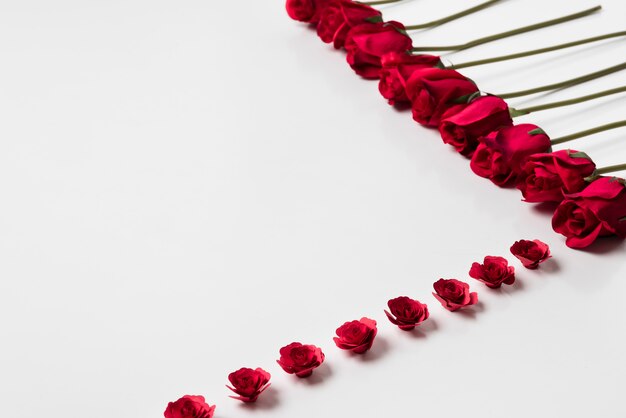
(468, 98)
(374, 19)
(579, 154)
(537, 131)
(515, 113)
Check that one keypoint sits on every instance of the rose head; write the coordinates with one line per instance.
(406, 313)
(454, 294)
(397, 67)
(368, 42)
(339, 16)
(481, 117)
(189, 406)
(531, 253)
(500, 155)
(356, 336)
(300, 359)
(305, 10)
(599, 210)
(435, 91)
(493, 272)
(248, 383)
(545, 177)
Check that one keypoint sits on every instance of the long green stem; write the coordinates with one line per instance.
(455, 16)
(570, 102)
(589, 132)
(510, 33)
(611, 169)
(537, 51)
(379, 2)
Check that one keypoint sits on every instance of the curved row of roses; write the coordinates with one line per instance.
(358, 336)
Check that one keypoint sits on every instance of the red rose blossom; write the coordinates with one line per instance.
(406, 313)
(300, 359)
(397, 67)
(339, 16)
(546, 177)
(493, 272)
(434, 91)
(599, 210)
(481, 117)
(531, 253)
(248, 383)
(454, 294)
(305, 10)
(356, 336)
(189, 406)
(368, 42)
(500, 155)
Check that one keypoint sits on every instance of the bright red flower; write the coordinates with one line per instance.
(406, 313)
(356, 336)
(306, 10)
(599, 210)
(189, 406)
(248, 383)
(493, 272)
(531, 253)
(397, 67)
(300, 359)
(454, 294)
(339, 16)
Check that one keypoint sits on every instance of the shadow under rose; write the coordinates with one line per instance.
(550, 266)
(421, 332)
(320, 375)
(379, 349)
(518, 286)
(471, 312)
(605, 245)
(269, 399)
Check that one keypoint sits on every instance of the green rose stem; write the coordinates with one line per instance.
(510, 33)
(525, 111)
(537, 51)
(610, 169)
(455, 16)
(589, 132)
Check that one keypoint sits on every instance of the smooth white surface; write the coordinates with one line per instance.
(188, 186)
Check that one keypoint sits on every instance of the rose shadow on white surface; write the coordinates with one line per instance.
(269, 399)
(471, 312)
(424, 330)
(380, 348)
(320, 375)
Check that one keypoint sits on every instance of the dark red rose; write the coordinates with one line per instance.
(481, 117)
(599, 210)
(248, 383)
(189, 406)
(546, 177)
(397, 67)
(500, 154)
(299, 359)
(406, 313)
(339, 16)
(454, 294)
(531, 253)
(493, 272)
(434, 91)
(356, 336)
(306, 10)
(368, 42)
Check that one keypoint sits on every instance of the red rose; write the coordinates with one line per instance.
(493, 272)
(546, 177)
(356, 336)
(299, 359)
(481, 117)
(531, 253)
(599, 210)
(406, 313)
(434, 91)
(367, 43)
(189, 406)
(305, 10)
(339, 16)
(248, 383)
(396, 70)
(500, 155)
(454, 294)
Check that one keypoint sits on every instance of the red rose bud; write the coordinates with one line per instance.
(493, 272)
(454, 294)
(531, 253)
(599, 210)
(339, 16)
(500, 155)
(367, 43)
(406, 313)
(356, 336)
(189, 406)
(299, 359)
(397, 67)
(248, 383)
(434, 91)
(306, 10)
(481, 117)
(546, 177)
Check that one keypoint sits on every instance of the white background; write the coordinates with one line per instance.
(187, 186)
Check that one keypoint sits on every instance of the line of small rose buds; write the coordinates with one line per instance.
(358, 336)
